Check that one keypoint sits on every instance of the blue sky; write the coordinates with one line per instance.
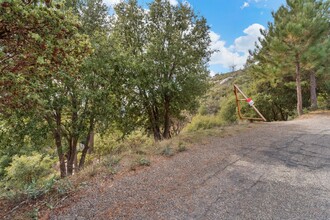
(234, 26)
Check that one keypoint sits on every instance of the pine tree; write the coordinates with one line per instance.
(298, 27)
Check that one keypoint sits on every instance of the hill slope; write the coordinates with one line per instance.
(264, 177)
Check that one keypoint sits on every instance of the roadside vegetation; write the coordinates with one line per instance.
(87, 94)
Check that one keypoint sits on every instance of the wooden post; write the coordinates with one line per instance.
(236, 90)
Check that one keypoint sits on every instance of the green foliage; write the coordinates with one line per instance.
(115, 143)
(34, 214)
(110, 161)
(324, 101)
(181, 147)
(29, 176)
(228, 111)
(167, 151)
(136, 140)
(107, 143)
(163, 56)
(63, 186)
(36, 41)
(144, 162)
(31, 171)
(202, 122)
(296, 42)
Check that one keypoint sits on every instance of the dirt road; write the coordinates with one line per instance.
(271, 171)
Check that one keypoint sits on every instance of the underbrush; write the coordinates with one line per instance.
(202, 122)
(135, 152)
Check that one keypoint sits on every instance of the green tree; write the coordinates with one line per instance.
(35, 41)
(99, 89)
(166, 54)
(298, 27)
(41, 53)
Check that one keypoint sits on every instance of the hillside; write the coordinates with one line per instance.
(282, 172)
(221, 87)
(218, 105)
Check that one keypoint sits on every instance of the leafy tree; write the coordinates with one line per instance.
(165, 52)
(34, 42)
(99, 91)
(89, 99)
(41, 52)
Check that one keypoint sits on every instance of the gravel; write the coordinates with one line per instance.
(275, 170)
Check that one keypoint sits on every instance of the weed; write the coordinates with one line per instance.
(181, 147)
(144, 162)
(111, 161)
(34, 214)
(140, 152)
(167, 151)
(63, 186)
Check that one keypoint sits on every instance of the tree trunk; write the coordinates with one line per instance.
(91, 143)
(313, 91)
(73, 137)
(154, 121)
(58, 142)
(298, 85)
(83, 156)
(167, 121)
(72, 155)
(88, 142)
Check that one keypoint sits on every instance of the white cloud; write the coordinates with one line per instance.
(174, 2)
(187, 3)
(245, 43)
(212, 73)
(245, 5)
(236, 54)
(111, 2)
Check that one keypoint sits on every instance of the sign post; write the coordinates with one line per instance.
(237, 90)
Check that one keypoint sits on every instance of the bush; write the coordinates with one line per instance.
(107, 143)
(323, 101)
(137, 141)
(181, 147)
(115, 144)
(228, 112)
(167, 151)
(144, 162)
(202, 122)
(29, 174)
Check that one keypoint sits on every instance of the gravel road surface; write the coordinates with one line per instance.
(275, 170)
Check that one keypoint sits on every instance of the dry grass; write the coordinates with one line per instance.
(313, 113)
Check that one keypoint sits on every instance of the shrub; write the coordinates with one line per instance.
(107, 143)
(201, 122)
(137, 141)
(228, 112)
(115, 144)
(181, 147)
(167, 151)
(29, 174)
(144, 162)
(63, 186)
(323, 101)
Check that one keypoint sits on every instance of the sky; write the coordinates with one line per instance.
(234, 27)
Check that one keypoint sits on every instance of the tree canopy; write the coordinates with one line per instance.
(69, 69)
(287, 50)
(163, 54)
